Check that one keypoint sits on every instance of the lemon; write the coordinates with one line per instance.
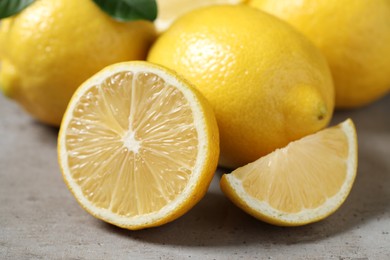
(268, 85)
(304, 182)
(51, 47)
(170, 10)
(138, 145)
(353, 35)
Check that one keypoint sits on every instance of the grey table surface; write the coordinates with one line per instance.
(39, 219)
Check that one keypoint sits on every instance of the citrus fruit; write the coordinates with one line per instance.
(267, 83)
(138, 146)
(301, 183)
(170, 10)
(51, 47)
(353, 35)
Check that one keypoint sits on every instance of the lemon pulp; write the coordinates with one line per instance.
(132, 144)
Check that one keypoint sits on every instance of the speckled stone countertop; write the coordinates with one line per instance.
(40, 219)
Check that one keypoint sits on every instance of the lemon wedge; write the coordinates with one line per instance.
(138, 146)
(301, 183)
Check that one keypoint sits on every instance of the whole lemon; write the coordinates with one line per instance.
(267, 83)
(353, 35)
(51, 47)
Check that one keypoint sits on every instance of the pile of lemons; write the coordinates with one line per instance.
(249, 85)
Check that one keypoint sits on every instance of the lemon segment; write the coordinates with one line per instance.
(138, 146)
(301, 183)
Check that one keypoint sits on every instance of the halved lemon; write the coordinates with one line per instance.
(138, 146)
(301, 183)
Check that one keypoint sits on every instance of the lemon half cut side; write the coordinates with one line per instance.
(138, 146)
(304, 182)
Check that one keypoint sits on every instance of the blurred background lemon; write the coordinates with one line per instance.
(51, 47)
(353, 35)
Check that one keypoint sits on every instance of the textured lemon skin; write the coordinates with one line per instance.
(268, 85)
(51, 47)
(231, 192)
(353, 35)
(207, 170)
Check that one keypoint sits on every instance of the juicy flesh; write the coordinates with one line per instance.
(302, 175)
(132, 144)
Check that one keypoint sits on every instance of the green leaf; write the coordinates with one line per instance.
(11, 7)
(129, 10)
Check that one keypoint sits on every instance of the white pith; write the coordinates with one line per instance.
(130, 142)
